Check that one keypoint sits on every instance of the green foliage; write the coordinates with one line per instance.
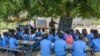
(52, 8)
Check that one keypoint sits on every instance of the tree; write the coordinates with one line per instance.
(66, 9)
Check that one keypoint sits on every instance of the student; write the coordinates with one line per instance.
(33, 35)
(19, 34)
(96, 43)
(43, 31)
(76, 35)
(26, 35)
(0, 41)
(13, 41)
(91, 35)
(51, 36)
(60, 46)
(5, 40)
(69, 37)
(45, 46)
(38, 33)
(84, 32)
(79, 47)
(56, 36)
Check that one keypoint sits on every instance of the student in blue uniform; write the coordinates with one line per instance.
(0, 41)
(51, 36)
(39, 33)
(19, 34)
(5, 40)
(96, 42)
(76, 35)
(60, 46)
(43, 30)
(26, 35)
(91, 35)
(13, 41)
(45, 46)
(33, 35)
(79, 47)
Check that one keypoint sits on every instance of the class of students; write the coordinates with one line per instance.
(79, 43)
(58, 42)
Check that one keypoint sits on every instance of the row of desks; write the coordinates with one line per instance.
(23, 42)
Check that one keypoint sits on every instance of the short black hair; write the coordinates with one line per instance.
(32, 31)
(43, 29)
(91, 30)
(26, 31)
(84, 32)
(81, 36)
(78, 32)
(96, 34)
(5, 34)
(60, 35)
(39, 29)
(68, 31)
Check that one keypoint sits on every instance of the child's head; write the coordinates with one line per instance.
(35, 29)
(67, 31)
(26, 31)
(91, 31)
(39, 29)
(96, 34)
(18, 29)
(84, 32)
(12, 34)
(72, 30)
(60, 34)
(5, 34)
(78, 32)
(43, 29)
(32, 31)
(81, 36)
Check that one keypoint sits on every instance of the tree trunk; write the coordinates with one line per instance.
(65, 23)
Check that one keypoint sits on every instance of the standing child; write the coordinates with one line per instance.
(79, 47)
(60, 46)
(45, 46)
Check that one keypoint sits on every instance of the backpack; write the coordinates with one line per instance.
(69, 39)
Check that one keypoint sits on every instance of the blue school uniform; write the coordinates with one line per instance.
(5, 41)
(56, 37)
(96, 44)
(64, 35)
(26, 37)
(76, 36)
(0, 42)
(38, 34)
(13, 43)
(19, 35)
(51, 37)
(45, 47)
(91, 37)
(79, 48)
(60, 47)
